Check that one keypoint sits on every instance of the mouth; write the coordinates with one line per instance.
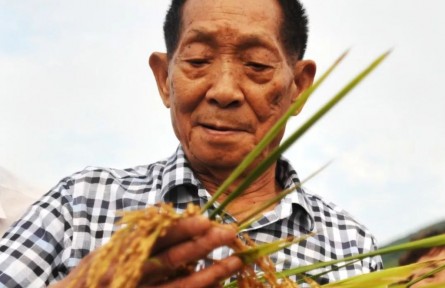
(221, 128)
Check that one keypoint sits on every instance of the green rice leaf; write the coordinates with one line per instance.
(250, 255)
(393, 277)
(274, 131)
(423, 243)
(256, 213)
(275, 154)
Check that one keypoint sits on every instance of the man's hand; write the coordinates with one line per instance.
(185, 243)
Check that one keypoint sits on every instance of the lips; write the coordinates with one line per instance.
(224, 123)
(222, 128)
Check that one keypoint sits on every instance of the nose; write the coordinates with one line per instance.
(225, 91)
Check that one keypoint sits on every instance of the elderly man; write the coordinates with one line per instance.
(232, 68)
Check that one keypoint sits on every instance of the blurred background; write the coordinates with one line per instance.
(76, 91)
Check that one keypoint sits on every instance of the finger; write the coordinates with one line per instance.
(209, 277)
(179, 257)
(183, 230)
(192, 250)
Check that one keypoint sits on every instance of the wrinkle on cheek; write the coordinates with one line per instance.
(276, 100)
(183, 104)
(273, 103)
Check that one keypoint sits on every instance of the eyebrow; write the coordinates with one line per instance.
(246, 41)
(198, 35)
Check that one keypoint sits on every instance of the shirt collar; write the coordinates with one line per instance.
(177, 172)
(178, 175)
(288, 177)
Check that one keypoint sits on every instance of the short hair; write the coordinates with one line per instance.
(294, 27)
(413, 256)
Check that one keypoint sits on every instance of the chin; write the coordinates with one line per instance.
(218, 159)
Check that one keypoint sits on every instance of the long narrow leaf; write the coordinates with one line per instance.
(249, 255)
(434, 241)
(326, 271)
(254, 215)
(270, 136)
(393, 277)
(275, 154)
(423, 243)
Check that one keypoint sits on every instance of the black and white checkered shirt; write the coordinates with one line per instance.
(78, 215)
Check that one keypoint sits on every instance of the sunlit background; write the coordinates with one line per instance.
(76, 90)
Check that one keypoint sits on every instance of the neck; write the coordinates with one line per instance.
(261, 190)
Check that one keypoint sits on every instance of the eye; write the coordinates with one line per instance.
(258, 67)
(198, 63)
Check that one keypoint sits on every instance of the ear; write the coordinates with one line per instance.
(159, 66)
(304, 74)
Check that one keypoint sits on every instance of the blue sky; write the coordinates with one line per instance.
(76, 90)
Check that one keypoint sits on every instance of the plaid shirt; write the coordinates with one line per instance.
(78, 215)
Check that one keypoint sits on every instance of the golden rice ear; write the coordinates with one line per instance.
(130, 247)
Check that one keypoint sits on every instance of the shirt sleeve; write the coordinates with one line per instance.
(32, 249)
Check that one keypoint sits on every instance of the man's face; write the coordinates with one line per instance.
(229, 79)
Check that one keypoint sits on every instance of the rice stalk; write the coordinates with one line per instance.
(395, 276)
(276, 153)
(419, 244)
(254, 215)
(270, 136)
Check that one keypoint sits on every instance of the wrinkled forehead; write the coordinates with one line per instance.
(231, 22)
(218, 35)
(233, 12)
